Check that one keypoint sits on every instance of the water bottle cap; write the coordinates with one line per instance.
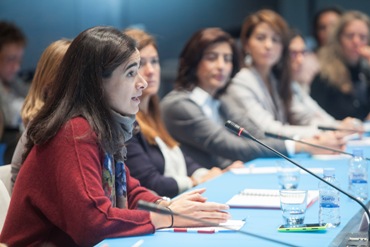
(357, 152)
(329, 172)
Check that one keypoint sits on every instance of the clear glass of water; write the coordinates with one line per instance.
(288, 175)
(293, 204)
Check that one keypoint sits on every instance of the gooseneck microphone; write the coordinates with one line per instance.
(282, 137)
(152, 207)
(240, 131)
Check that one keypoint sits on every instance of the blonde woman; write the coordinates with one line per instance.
(41, 84)
(342, 86)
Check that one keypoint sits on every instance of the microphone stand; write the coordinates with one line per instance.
(240, 131)
(268, 134)
(152, 207)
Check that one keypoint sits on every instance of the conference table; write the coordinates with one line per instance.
(264, 222)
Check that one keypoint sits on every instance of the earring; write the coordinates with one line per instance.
(248, 60)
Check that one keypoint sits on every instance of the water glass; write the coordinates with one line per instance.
(288, 175)
(293, 205)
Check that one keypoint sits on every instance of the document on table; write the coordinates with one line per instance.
(232, 225)
(268, 170)
(264, 199)
(330, 156)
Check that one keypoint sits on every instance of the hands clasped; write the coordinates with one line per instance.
(194, 204)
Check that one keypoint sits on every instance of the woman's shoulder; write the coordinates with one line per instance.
(245, 72)
(245, 77)
(175, 97)
(77, 126)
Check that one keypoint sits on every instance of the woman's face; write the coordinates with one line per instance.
(325, 26)
(150, 69)
(354, 36)
(215, 67)
(125, 86)
(265, 46)
(297, 51)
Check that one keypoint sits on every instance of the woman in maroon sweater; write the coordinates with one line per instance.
(74, 188)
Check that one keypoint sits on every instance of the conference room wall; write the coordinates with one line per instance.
(173, 21)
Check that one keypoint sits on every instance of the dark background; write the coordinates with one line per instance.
(171, 21)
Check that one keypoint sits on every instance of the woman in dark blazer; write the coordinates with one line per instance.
(153, 156)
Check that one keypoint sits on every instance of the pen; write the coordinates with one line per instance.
(195, 230)
(336, 129)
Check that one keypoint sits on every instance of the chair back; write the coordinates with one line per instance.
(5, 177)
(4, 204)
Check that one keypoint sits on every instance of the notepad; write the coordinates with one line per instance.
(231, 225)
(264, 199)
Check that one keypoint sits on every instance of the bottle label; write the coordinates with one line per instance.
(358, 178)
(328, 202)
(358, 181)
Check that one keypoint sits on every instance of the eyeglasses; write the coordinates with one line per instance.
(295, 53)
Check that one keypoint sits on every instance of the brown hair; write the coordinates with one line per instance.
(332, 60)
(78, 89)
(193, 52)
(44, 77)
(315, 25)
(151, 124)
(282, 69)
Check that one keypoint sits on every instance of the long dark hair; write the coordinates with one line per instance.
(193, 52)
(282, 69)
(78, 90)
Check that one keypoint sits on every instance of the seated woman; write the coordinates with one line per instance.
(342, 87)
(195, 116)
(42, 82)
(263, 87)
(153, 156)
(74, 188)
(310, 108)
(324, 22)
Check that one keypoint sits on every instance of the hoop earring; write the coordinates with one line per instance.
(248, 60)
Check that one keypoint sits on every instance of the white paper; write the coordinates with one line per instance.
(231, 224)
(269, 170)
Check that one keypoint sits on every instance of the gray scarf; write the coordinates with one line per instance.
(127, 124)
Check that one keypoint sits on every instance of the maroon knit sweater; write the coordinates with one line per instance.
(58, 197)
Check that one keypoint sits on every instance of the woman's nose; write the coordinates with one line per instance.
(141, 82)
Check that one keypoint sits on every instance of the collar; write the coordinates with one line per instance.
(202, 98)
(209, 105)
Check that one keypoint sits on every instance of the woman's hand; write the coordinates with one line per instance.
(328, 139)
(352, 124)
(235, 164)
(192, 204)
(212, 173)
(364, 52)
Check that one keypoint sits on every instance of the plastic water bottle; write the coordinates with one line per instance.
(357, 176)
(329, 199)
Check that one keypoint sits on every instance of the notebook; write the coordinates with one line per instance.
(264, 199)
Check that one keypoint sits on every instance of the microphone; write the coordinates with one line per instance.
(152, 207)
(240, 131)
(282, 137)
(336, 129)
